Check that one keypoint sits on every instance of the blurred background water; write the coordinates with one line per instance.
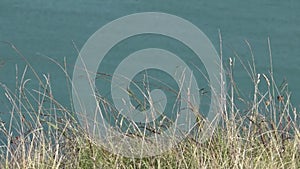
(52, 28)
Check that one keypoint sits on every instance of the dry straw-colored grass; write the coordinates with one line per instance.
(262, 133)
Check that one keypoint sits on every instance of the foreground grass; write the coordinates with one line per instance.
(265, 134)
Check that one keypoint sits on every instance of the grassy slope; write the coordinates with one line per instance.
(49, 137)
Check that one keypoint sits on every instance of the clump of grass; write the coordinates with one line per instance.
(262, 133)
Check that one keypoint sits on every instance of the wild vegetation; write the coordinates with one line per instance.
(262, 133)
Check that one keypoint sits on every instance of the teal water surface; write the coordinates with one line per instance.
(56, 28)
